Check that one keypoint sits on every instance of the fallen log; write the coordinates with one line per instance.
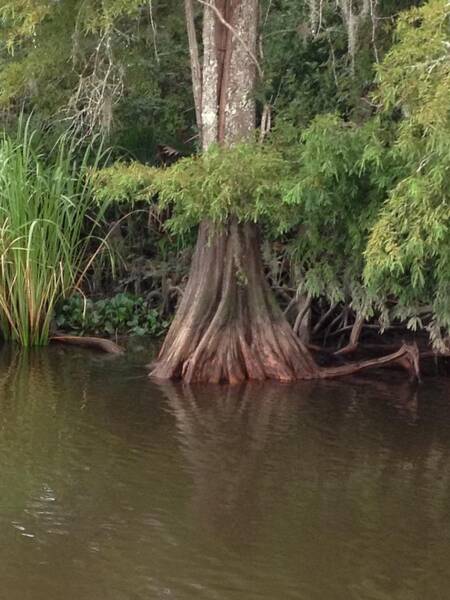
(94, 343)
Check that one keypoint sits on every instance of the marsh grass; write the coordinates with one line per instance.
(48, 223)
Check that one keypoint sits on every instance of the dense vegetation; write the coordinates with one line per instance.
(48, 221)
(348, 175)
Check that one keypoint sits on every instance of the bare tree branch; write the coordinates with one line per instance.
(100, 88)
(153, 25)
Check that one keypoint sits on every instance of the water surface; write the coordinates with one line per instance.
(114, 488)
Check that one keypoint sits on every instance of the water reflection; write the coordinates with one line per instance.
(112, 487)
(226, 435)
(318, 482)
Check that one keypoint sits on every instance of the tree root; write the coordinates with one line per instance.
(407, 357)
(229, 329)
(93, 343)
(352, 345)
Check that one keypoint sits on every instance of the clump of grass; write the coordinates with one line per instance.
(48, 221)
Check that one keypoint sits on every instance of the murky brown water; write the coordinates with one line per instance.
(112, 488)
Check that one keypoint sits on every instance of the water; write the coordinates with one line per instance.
(114, 488)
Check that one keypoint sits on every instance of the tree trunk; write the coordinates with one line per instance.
(228, 327)
(196, 70)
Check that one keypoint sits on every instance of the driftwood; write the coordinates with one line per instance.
(94, 343)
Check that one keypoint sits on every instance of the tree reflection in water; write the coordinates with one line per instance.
(240, 442)
(226, 434)
(261, 487)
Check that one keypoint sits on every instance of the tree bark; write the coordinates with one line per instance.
(195, 62)
(228, 327)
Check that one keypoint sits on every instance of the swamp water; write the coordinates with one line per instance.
(115, 488)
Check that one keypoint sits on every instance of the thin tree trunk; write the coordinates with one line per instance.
(196, 69)
(303, 321)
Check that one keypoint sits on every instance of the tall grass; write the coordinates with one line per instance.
(48, 219)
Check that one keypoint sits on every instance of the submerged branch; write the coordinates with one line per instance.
(93, 343)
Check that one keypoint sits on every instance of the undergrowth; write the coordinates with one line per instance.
(123, 314)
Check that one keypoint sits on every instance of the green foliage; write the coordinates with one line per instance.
(361, 198)
(372, 201)
(408, 253)
(122, 314)
(48, 220)
(314, 64)
(116, 66)
(242, 182)
(299, 78)
(123, 66)
(124, 183)
(338, 187)
(21, 17)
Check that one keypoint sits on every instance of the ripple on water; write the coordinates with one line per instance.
(113, 488)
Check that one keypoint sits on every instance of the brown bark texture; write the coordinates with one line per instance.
(228, 327)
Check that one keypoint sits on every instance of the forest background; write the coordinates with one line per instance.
(348, 174)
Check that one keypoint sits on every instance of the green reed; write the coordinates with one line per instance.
(48, 222)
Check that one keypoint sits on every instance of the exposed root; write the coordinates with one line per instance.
(352, 345)
(228, 328)
(407, 358)
(93, 343)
